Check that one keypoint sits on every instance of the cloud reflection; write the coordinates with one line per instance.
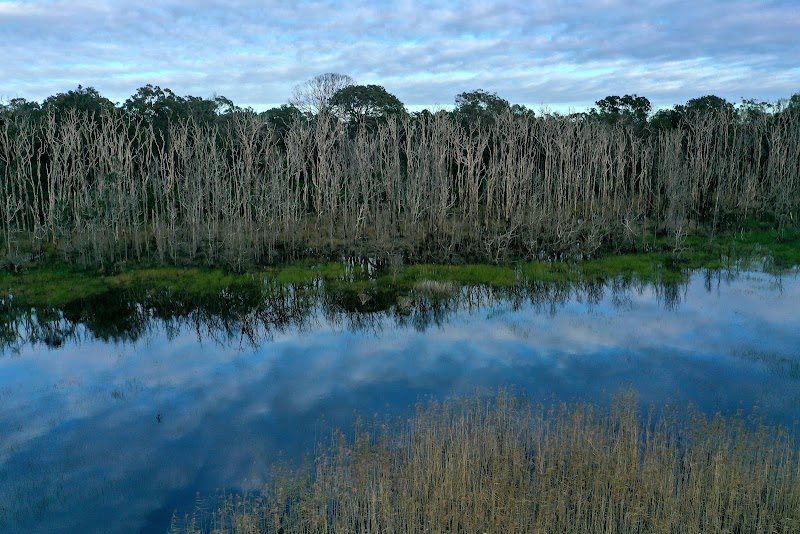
(83, 445)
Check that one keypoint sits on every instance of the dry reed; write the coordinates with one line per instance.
(511, 466)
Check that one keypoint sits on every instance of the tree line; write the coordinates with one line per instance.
(344, 169)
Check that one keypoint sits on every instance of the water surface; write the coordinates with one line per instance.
(114, 414)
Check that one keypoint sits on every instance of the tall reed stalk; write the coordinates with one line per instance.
(510, 466)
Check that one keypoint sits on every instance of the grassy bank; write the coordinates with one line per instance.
(58, 285)
(513, 466)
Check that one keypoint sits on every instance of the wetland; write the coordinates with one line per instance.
(135, 400)
(218, 320)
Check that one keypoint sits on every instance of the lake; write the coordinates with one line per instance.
(118, 412)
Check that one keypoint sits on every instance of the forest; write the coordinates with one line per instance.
(344, 170)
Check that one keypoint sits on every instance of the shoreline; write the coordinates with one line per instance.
(57, 284)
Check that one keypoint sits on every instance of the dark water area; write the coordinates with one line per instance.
(115, 413)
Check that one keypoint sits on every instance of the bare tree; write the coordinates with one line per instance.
(101, 191)
(313, 95)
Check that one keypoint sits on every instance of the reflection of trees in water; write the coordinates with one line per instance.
(251, 320)
(668, 295)
(250, 316)
(20, 326)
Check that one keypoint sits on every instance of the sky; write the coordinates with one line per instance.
(558, 54)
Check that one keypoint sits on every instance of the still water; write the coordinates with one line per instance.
(113, 415)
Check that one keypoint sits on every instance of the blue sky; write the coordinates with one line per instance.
(556, 53)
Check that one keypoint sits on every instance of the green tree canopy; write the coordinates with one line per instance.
(283, 115)
(793, 105)
(522, 111)
(752, 109)
(629, 109)
(82, 99)
(160, 106)
(479, 106)
(665, 119)
(281, 118)
(155, 105)
(706, 104)
(20, 106)
(365, 103)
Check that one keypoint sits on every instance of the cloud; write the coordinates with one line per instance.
(541, 52)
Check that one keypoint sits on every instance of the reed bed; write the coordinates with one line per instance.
(105, 190)
(508, 465)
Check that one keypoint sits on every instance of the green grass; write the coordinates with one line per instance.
(305, 272)
(58, 286)
(489, 275)
(773, 251)
(52, 286)
(781, 249)
(511, 466)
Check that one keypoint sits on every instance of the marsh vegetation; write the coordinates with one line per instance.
(512, 465)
